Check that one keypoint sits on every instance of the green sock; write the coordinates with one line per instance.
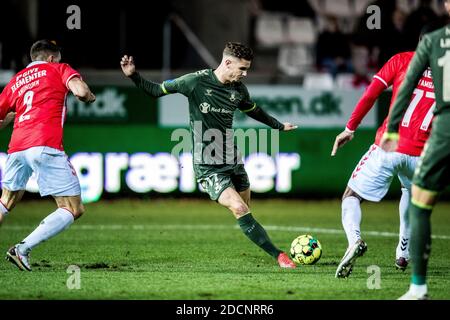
(255, 232)
(420, 245)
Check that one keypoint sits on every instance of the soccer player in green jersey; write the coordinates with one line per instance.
(214, 95)
(432, 174)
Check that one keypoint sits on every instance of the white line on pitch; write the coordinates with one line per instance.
(211, 227)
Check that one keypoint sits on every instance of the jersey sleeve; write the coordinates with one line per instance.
(184, 84)
(416, 68)
(5, 103)
(67, 73)
(381, 81)
(371, 94)
(388, 72)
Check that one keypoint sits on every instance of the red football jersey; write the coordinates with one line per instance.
(416, 123)
(37, 94)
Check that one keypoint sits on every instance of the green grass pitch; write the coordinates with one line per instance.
(193, 249)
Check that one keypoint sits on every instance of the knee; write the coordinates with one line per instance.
(77, 211)
(350, 193)
(239, 208)
(8, 204)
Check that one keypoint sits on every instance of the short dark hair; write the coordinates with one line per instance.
(430, 27)
(238, 50)
(43, 48)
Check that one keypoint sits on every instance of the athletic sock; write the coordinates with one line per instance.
(351, 219)
(404, 229)
(53, 224)
(420, 246)
(256, 233)
(3, 210)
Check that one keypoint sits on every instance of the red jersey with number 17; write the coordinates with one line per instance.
(37, 94)
(416, 124)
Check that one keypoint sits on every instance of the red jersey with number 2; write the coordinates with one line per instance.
(416, 124)
(37, 94)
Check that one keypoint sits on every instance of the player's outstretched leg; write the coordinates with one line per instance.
(256, 233)
(351, 221)
(251, 228)
(52, 225)
(419, 214)
(402, 251)
(345, 267)
(14, 256)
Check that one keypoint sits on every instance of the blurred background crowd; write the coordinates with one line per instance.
(327, 42)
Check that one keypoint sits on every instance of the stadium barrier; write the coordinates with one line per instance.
(122, 144)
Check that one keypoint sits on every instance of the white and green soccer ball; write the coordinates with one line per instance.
(305, 249)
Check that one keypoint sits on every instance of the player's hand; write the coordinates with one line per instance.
(341, 139)
(127, 64)
(288, 126)
(8, 119)
(389, 143)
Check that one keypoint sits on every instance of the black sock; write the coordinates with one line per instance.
(255, 232)
(420, 245)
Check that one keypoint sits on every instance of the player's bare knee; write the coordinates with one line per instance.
(8, 204)
(350, 193)
(239, 208)
(9, 199)
(78, 212)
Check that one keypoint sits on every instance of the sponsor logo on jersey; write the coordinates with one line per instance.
(204, 107)
(208, 92)
(445, 43)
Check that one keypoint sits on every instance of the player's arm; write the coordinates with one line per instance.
(416, 68)
(255, 112)
(81, 90)
(7, 113)
(151, 88)
(10, 116)
(373, 91)
(382, 80)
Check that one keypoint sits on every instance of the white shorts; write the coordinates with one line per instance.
(373, 175)
(54, 172)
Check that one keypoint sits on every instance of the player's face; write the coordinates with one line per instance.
(237, 69)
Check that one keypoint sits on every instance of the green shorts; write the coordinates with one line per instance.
(432, 172)
(215, 179)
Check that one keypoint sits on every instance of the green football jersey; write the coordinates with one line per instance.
(211, 110)
(433, 51)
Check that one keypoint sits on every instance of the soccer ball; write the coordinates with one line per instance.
(305, 249)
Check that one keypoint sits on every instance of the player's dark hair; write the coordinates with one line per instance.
(430, 27)
(238, 50)
(43, 48)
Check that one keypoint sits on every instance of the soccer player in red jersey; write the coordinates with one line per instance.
(374, 173)
(37, 96)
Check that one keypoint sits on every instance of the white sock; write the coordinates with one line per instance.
(404, 231)
(351, 219)
(418, 289)
(3, 210)
(53, 224)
